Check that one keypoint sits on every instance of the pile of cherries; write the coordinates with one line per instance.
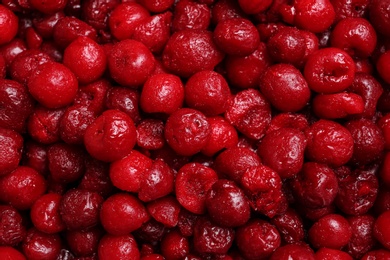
(195, 129)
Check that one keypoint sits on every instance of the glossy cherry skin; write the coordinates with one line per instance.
(128, 172)
(283, 151)
(327, 254)
(79, 209)
(8, 25)
(212, 238)
(329, 70)
(263, 188)
(86, 59)
(156, 6)
(208, 92)
(362, 239)
(383, 67)
(7, 252)
(13, 115)
(111, 136)
(11, 145)
(379, 16)
(122, 213)
(165, 210)
(287, 45)
(118, 247)
(122, 68)
(227, 204)
(381, 229)
(12, 228)
(316, 186)
(244, 72)
(346, 8)
(356, 36)
(190, 51)
(249, 111)
(162, 93)
(125, 100)
(84, 243)
(193, 181)
(223, 135)
(329, 142)
(233, 162)
(290, 226)
(312, 15)
(326, 228)
(357, 191)
(22, 187)
(257, 239)
(283, 83)
(54, 85)
(190, 15)
(150, 134)
(96, 12)
(236, 36)
(125, 18)
(368, 141)
(293, 251)
(45, 214)
(187, 131)
(39, 245)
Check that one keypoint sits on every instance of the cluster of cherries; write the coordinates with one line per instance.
(195, 129)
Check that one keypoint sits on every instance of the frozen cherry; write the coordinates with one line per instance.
(332, 254)
(223, 135)
(86, 59)
(128, 172)
(227, 204)
(111, 136)
(8, 25)
(381, 229)
(263, 187)
(294, 251)
(190, 15)
(357, 191)
(22, 187)
(316, 186)
(12, 228)
(11, 145)
(283, 151)
(245, 71)
(122, 213)
(79, 209)
(368, 141)
(53, 85)
(193, 181)
(84, 243)
(287, 45)
(383, 67)
(150, 134)
(118, 247)
(362, 239)
(212, 238)
(39, 245)
(66, 162)
(257, 239)
(356, 36)
(329, 70)
(130, 63)
(157, 182)
(156, 6)
(165, 210)
(236, 36)
(175, 246)
(379, 16)
(187, 131)
(249, 111)
(162, 93)
(190, 51)
(323, 231)
(208, 92)
(233, 162)
(125, 100)
(45, 214)
(285, 87)
(16, 105)
(125, 18)
(329, 142)
(290, 226)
